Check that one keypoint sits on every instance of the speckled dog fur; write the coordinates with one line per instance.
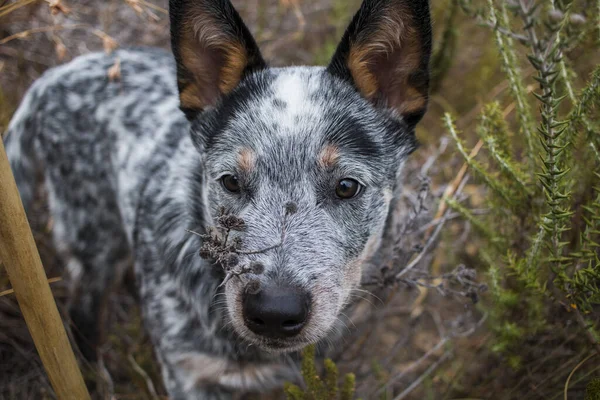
(128, 173)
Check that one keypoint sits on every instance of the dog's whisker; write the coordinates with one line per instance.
(194, 233)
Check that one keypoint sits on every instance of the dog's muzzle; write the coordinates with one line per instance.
(276, 312)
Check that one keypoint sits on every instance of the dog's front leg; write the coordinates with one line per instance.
(198, 359)
(176, 387)
(177, 390)
(192, 356)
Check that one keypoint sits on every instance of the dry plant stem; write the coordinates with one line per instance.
(435, 234)
(412, 367)
(467, 118)
(110, 385)
(581, 379)
(581, 321)
(298, 14)
(451, 188)
(573, 372)
(272, 48)
(425, 356)
(552, 379)
(143, 374)
(149, 5)
(431, 160)
(543, 362)
(11, 291)
(28, 279)
(7, 9)
(416, 260)
(24, 34)
(26, 56)
(421, 378)
(231, 274)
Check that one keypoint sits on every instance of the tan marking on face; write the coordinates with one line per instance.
(328, 156)
(246, 160)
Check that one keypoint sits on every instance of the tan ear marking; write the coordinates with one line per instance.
(385, 60)
(189, 98)
(235, 62)
(214, 60)
(328, 156)
(413, 101)
(234, 56)
(369, 49)
(358, 63)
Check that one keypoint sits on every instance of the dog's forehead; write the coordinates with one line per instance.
(306, 112)
(297, 102)
(296, 99)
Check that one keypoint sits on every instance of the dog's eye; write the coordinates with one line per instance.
(347, 188)
(230, 183)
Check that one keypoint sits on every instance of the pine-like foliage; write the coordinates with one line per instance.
(592, 391)
(540, 239)
(317, 388)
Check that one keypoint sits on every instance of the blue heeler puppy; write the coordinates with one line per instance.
(302, 163)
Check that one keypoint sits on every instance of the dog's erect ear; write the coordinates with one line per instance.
(385, 55)
(213, 50)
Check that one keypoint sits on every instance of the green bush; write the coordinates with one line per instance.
(318, 388)
(592, 391)
(541, 236)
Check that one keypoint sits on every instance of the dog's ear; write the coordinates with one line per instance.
(385, 54)
(213, 50)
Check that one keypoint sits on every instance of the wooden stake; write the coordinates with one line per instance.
(21, 259)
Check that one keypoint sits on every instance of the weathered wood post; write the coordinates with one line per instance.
(21, 259)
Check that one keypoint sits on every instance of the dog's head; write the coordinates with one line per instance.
(308, 157)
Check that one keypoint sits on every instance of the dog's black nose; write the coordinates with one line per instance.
(276, 312)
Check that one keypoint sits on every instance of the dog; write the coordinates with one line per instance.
(295, 169)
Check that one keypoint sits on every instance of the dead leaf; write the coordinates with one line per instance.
(135, 4)
(60, 48)
(109, 44)
(114, 72)
(57, 6)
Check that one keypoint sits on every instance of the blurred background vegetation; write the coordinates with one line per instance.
(490, 288)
